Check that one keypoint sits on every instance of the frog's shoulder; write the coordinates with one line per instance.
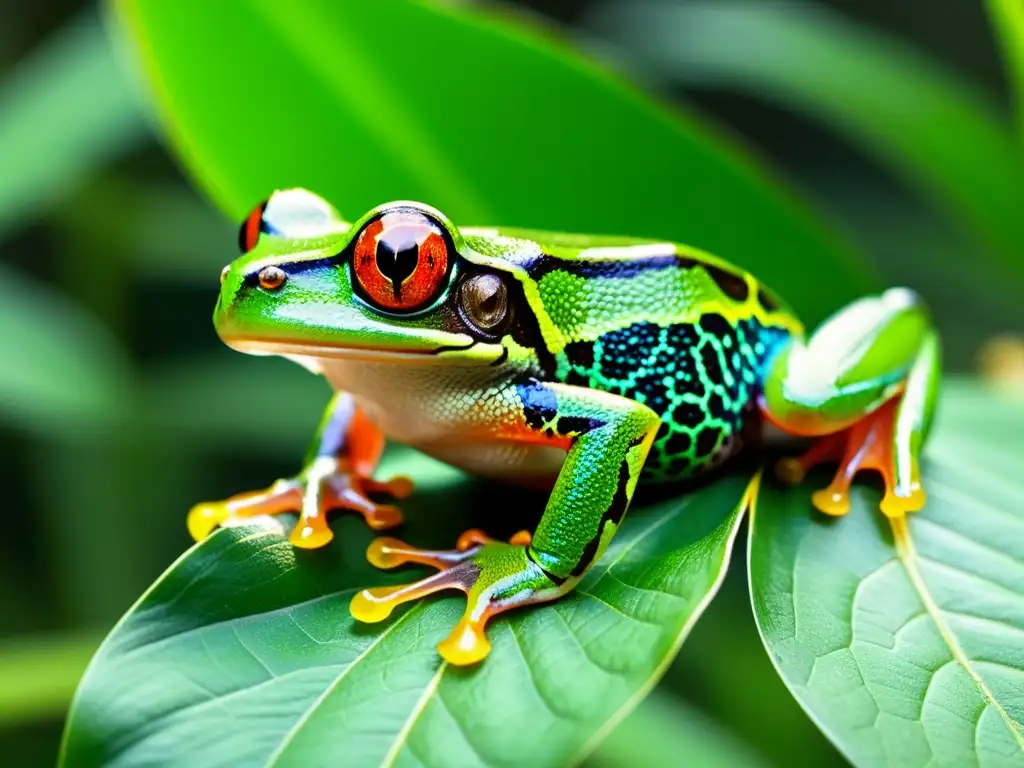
(534, 254)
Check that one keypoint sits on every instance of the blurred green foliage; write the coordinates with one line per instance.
(119, 409)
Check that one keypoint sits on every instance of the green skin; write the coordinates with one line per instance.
(614, 361)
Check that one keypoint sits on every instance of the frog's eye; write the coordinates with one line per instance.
(401, 260)
(295, 214)
(249, 232)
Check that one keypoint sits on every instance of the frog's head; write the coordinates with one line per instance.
(393, 286)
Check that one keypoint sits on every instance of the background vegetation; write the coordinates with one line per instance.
(119, 409)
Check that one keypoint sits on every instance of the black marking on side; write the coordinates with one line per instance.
(539, 403)
(617, 509)
(589, 552)
(732, 285)
(580, 353)
(545, 264)
(555, 578)
(767, 300)
(614, 514)
(570, 426)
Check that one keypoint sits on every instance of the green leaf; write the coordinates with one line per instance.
(904, 640)
(478, 115)
(244, 651)
(67, 109)
(942, 134)
(1008, 19)
(62, 372)
(664, 729)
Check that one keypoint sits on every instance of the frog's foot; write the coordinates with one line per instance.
(495, 577)
(868, 444)
(323, 486)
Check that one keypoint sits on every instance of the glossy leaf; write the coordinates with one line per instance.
(941, 133)
(903, 640)
(244, 651)
(67, 109)
(1008, 20)
(473, 113)
(43, 387)
(665, 730)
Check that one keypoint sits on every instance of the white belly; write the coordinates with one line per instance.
(450, 413)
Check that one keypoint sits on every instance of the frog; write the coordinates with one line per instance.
(586, 365)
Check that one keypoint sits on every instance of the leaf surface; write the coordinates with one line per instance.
(904, 640)
(244, 651)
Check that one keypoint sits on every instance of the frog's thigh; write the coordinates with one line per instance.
(868, 381)
(607, 438)
(853, 363)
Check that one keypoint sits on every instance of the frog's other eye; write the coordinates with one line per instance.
(295, 214)
(249, 232)
(484, 301)
(401, 260)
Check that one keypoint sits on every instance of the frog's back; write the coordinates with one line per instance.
(679, 330)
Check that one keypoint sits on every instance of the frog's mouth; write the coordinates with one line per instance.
(469, 352)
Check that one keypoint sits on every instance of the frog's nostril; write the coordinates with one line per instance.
(224, 274)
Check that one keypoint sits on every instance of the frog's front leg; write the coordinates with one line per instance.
(866, 384)
(337, 474)
(607, 438)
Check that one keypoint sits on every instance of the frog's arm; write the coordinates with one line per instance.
(336, 475)
(867, 382)
(608, 438)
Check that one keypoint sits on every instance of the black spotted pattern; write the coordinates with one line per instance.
(702, 379)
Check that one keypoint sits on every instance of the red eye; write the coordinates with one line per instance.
(401, 260)
(250, 230)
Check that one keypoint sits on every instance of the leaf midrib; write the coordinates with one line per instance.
(312, 708)
(907, 554)
(656, 522)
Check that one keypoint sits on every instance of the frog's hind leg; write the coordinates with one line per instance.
(866, 384)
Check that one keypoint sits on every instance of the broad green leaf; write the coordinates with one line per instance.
(942, 134)
(666, 731)
(67, 109)
(904, 640)
(62, 373)
(471, 112)
(244, 652)
(1008, 19)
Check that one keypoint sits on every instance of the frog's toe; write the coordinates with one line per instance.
(867, 445)
(897, 505)
(283, 496)
(397, 487)
(346, 492)
(204, 517)
(494, 576)
(386, 552)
